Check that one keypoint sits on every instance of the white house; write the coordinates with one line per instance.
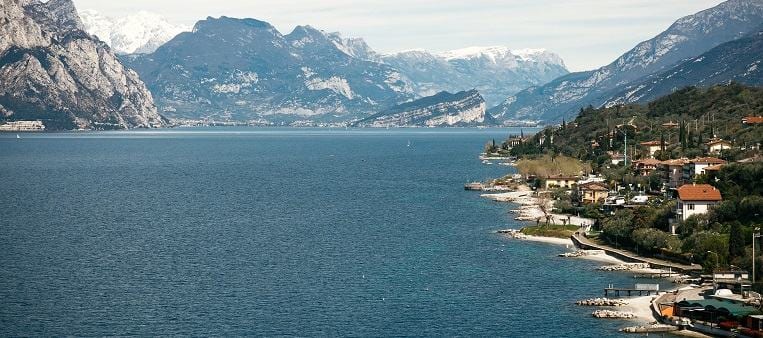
(652, 147)
(715, 146)
(696, 199)
(697, 166)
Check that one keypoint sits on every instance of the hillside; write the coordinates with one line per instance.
(705, 112)
(688, 37)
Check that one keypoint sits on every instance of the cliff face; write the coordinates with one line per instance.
(51, 70)
(444, 109)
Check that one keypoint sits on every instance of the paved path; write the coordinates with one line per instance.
(586, 243)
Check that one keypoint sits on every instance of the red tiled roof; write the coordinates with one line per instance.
(651, 143)
(709, 160)
(675, 162)
(594, 186)
(648, 161)
(713, 167)
(699, 192)
(752, 120)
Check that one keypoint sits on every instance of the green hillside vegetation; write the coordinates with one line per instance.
(699, 113)
(682, 122)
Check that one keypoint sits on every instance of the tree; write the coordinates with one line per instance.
(736, 240)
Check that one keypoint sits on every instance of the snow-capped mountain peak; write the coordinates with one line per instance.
(141, 32)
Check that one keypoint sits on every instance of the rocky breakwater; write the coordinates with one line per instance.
(609, 314)
(582, 253)
(602, 302)
(624, 267)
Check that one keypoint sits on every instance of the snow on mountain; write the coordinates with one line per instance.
(142, 32)
(496, 71)
(688, 37)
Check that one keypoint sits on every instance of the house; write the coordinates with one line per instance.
(559, 181)
(647, 166)
(616, 157)
(593, 192)
(696, 199)
(652, 147)
(696, 166)
(712, 169)
(752, 120)
(673, 172)
(715, 146)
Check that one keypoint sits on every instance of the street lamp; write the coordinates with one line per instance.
(755, 234)
(625, 152)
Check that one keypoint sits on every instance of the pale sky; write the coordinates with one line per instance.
(587, 34)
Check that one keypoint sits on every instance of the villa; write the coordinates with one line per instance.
(560, 181)
(593, 192)
(673, 171)
(696, 199)
(652, 147)
(647, 166)
(696, 166)
(715, 146)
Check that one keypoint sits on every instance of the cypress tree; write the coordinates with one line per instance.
(736, 241)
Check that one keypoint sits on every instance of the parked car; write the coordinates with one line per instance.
(641, 199)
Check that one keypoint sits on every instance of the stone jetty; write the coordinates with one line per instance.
(602, 302)
(613, 314)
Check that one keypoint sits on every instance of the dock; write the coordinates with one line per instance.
(617, 291)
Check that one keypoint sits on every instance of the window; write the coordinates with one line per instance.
(690, 206)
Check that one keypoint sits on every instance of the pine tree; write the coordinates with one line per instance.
(662, 141)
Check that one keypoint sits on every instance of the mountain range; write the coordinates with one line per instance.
(52, 70)
(496, 72)
(225, 68)
(245, 69)
(689, 37)
(142, 32)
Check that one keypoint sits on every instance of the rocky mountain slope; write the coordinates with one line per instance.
(688, 37)
(142, 32)
(50, 69)
(245, 69)
(496, 72)
(736, 61)
(466, 108)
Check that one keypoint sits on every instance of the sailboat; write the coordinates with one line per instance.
(409, 143)
(18, 136)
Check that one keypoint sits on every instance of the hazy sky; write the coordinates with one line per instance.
(586, 33)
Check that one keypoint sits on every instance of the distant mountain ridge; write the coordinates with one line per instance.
(466, 108)
(495, 71)
(245, 69)
(738, 61)
(52, 70)
(687, 37)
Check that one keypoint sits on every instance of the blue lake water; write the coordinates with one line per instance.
(274, 232)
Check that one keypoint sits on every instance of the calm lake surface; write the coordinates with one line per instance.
(274, 232)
